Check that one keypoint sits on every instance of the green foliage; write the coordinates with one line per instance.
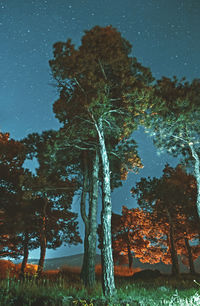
(173, 119)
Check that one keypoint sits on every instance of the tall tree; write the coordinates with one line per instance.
(94, 81)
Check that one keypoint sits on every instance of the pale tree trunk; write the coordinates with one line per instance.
(197, 175)
(88, 268)
(43, 241)
(93, 204)
(108, 282)
(26, 253)
(190, 258)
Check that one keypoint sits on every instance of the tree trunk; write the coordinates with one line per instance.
(84, 218)
(83, 274)
(190, 258)
(197, 175)
(92, 237)
(130, 257)
(26, 253)
(88, 267)
(43, 241)
(172, 247)
(108, 282)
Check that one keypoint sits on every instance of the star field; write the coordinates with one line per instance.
(164, 34)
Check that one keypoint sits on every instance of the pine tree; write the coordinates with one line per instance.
(94, 81)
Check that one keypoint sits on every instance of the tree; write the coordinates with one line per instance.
(55, 226)
(54, 151)
(53, 192)
(173, 121)
(172, 202)
(128, 234)
(88, 268)
(93, 81)
(11, 161)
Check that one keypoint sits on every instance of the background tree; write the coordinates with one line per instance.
(172, 202)
(11, 161)
(173, 121)
(133, 234)
(53, 191)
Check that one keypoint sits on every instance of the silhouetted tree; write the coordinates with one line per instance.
(11, 194)
(53, 192)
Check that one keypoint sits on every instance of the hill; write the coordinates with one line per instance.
(76, 261)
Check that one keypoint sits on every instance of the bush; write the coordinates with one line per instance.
(30, 269)
(7, 268)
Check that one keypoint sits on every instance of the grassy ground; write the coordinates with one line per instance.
(64, 287)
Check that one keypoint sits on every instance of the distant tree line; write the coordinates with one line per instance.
(105, 94)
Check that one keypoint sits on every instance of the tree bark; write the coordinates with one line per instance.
(43, 241)
(197, 175)
(84, 218)
(108, 282)
(85, 255)
(190, 258)
(172, 247)
(92, 237)
(88, 267)
(26, 253)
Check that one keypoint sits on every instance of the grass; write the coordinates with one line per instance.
(64, 287)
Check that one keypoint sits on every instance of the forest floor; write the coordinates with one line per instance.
(63, 287)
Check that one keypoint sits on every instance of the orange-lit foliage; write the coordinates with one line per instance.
(134, 234)
(118, 270)
(69, 273)
(170, 202)
(8, 268)
(30, 269)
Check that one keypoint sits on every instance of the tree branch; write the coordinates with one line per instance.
(102, 69)
(180, 138)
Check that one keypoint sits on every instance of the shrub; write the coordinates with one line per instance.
(7, 268)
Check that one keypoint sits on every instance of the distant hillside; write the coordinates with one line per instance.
(76, 261)
(72, 261)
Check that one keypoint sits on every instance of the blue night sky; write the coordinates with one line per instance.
(165, 37)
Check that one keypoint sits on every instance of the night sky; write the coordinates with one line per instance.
(165, 35)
